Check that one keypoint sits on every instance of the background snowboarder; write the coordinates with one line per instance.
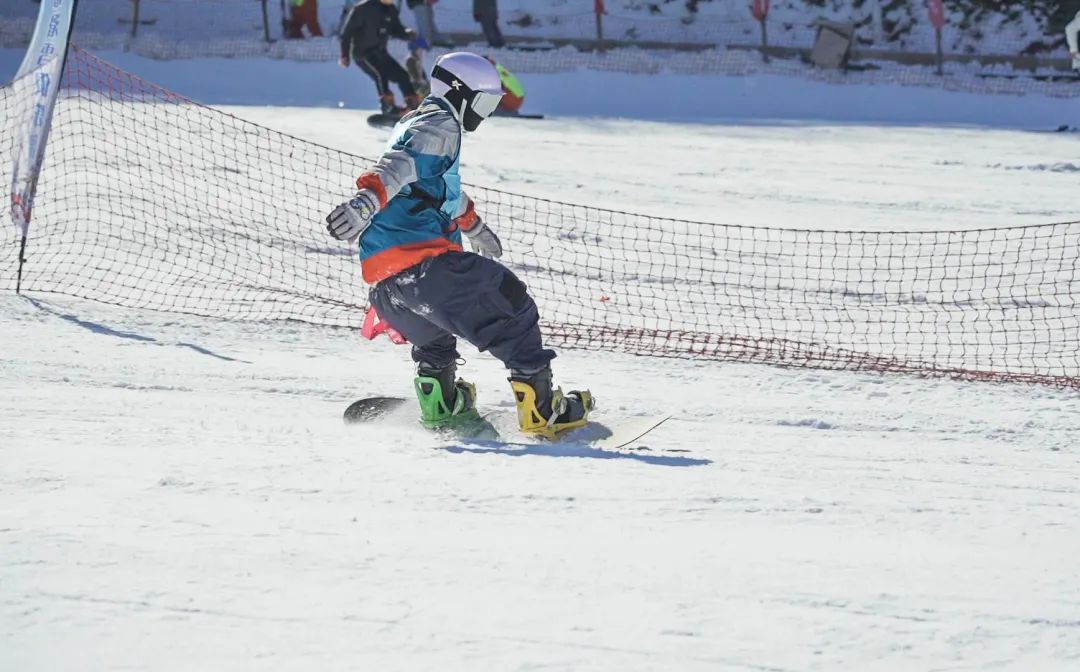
(513, 92)
(424, 10)
(409, 216)
(414, 65)
(303, 13)
(367, 28)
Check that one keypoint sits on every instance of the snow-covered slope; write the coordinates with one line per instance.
(179, 493)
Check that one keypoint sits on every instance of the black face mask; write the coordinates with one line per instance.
(471, 120)
(472, 106)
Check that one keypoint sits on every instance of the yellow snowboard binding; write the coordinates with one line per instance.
(546, 412)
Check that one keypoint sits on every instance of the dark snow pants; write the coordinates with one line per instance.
(467, 295)
(381, 67)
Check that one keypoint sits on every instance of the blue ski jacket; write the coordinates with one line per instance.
(424, 209)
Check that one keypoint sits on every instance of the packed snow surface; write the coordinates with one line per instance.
(179, 493)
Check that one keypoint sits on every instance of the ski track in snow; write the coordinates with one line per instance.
(179, 493)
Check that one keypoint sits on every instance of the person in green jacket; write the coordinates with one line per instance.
(513, 92)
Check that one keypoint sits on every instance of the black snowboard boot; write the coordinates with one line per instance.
(546, 411)
(443, 400)
(389, 107)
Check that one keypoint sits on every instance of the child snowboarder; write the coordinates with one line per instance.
(414, 65)
(366, 29)
(409, 216)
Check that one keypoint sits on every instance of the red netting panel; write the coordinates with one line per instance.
(149, 200)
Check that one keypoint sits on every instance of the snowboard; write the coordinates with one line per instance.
(1058, 77)
(516, 115)
(531, 46)
(380, 120)
(606, 435)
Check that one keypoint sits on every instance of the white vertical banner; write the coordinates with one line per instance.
(36, 85)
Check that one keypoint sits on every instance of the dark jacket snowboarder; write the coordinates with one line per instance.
(369, 25)
(366, 29)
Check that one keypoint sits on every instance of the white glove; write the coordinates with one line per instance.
(484, 241)
(349, 220)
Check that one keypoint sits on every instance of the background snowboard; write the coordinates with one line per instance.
(380, 120)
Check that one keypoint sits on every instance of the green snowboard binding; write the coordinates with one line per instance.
(448, 403)
(435, 412)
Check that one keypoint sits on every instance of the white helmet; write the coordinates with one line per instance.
(471, 85)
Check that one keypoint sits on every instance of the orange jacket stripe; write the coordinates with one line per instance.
(396, 259)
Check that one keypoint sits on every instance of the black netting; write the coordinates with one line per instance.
(148, 200)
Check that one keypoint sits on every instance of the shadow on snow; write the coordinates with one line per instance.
(98, 328)
(570, 449)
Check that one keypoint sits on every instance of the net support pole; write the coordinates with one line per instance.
(940, 54)
(764, 42)
(936, 10)
(760, 11)
(22, 260)
(134, 18)
(599, 10)
(266, 21)
(36, 85)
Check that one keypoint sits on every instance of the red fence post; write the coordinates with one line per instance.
(936, 9)
(760, 10)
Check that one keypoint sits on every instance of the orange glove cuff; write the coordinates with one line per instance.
(372, 181)
(468, 219)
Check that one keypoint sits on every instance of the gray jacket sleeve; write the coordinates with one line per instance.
(428, 148)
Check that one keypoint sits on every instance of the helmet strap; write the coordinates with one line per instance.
(458, 93)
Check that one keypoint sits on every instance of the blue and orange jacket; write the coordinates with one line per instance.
(424, 209)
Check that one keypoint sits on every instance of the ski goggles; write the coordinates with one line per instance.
(484, 104)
